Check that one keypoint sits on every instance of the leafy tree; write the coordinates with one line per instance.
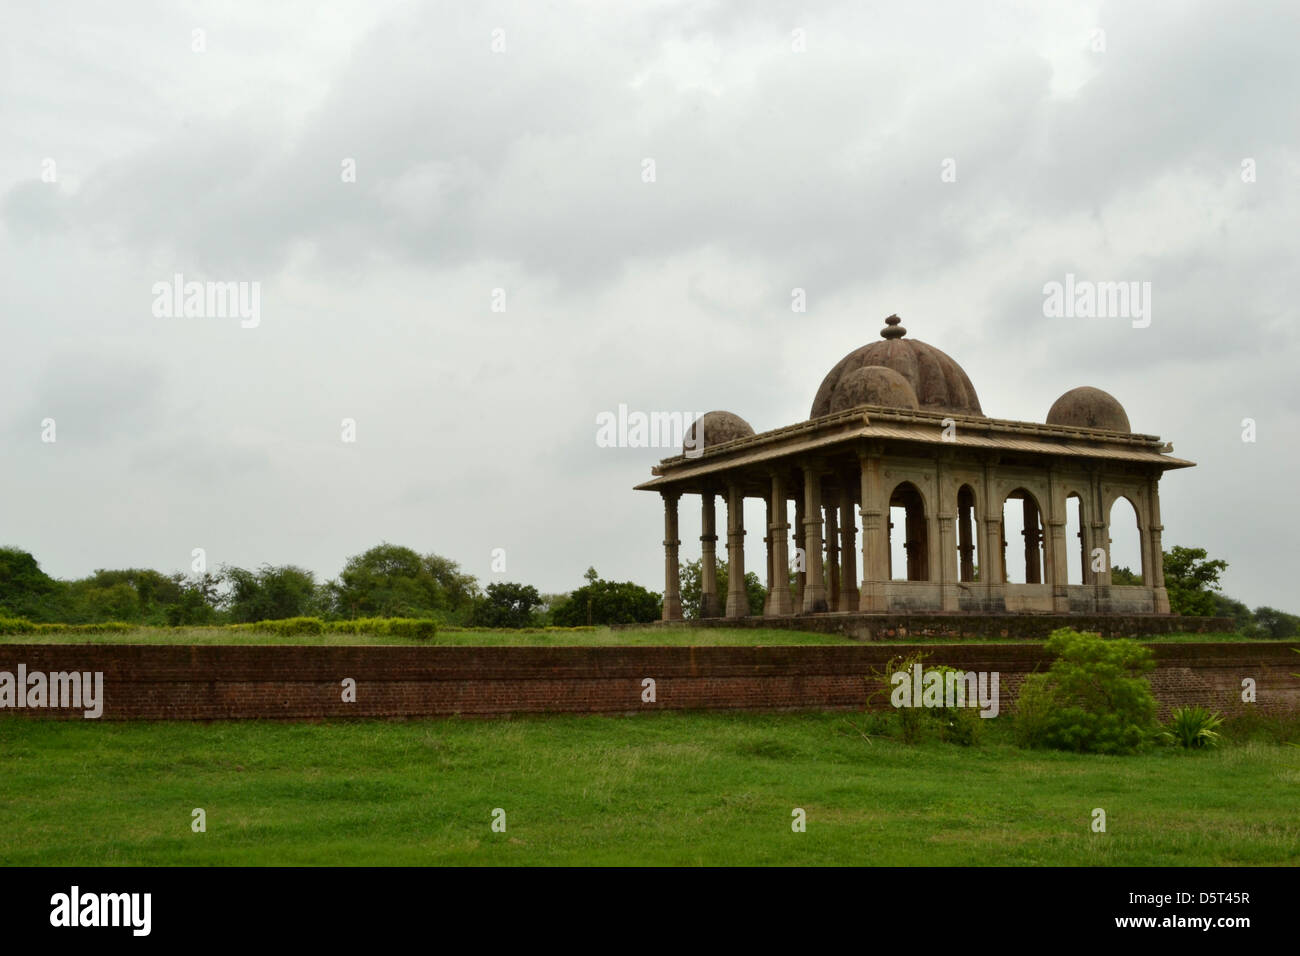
(199, 596)
(393, 581)
(153, 588)
(607, 602)
(25, 590)
(1192, 580)
(1275, 623)
(1225, 606)
(455, 588)
(1094, 698)
(506, 604)
(691, 584)
(117, 602)
(1124, 576)
(270, 593)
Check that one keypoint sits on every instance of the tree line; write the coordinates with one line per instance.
(388, 580)
(393, 581)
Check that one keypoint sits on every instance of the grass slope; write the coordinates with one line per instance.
(653, 789)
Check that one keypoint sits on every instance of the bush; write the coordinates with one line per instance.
(358, 625)
(505, 604)
(1033, 713)
(18, 625)
(291, 626)
(1094, 699)
(1192, 728)
(607, 602)
(421, 628)
(959, 725)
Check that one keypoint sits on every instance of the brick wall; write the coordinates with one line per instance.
(228, 682)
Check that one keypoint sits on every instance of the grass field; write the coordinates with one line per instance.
(603, 636)
(652, 789)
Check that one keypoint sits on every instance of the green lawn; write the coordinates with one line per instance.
(652, 789)
(699, 637)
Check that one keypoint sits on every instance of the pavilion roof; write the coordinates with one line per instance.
(842, 430)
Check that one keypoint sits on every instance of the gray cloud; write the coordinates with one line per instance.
(522, 171)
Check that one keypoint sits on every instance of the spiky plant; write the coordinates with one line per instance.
(1193, 728)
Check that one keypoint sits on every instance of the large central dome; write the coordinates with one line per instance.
(939, 382)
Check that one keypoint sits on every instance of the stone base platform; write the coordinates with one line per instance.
(961, 626)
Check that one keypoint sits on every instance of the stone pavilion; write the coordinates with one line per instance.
(896, 450)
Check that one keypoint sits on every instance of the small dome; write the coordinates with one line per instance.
(938, 382)
(714, 428)
(1088, 407)
(873, 385)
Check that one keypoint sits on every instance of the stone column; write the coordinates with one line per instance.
(848, 551)
(833, 555)
(1154, 529)
(780, 604)
(737, 599)
(875, 536)
(769, 551)
(950, 598)
(1033, 564)
(672, 583)
(1055, 554)
(1085, 557)
(917, 544)
(797, 536)
(994, 550)
(966, 542)
(814, 590)
(709, 603)
(1100, 540)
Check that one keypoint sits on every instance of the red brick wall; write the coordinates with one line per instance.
(215, 683)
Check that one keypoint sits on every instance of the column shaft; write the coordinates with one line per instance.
(737, 599)
(833, 554)
(672, 583)
(780, 603)
(814, 591)
(848, 551)
(709, 603)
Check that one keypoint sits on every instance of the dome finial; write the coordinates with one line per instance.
(892, 329)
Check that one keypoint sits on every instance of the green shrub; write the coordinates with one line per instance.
(1192, 728)
(1033, 714)
(420, 628)
(1095, 698)
(607, 602)
(955, 725)
(22, 626)
(290, 626)
(359, 625)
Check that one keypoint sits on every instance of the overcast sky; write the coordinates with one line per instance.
(794, 145)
